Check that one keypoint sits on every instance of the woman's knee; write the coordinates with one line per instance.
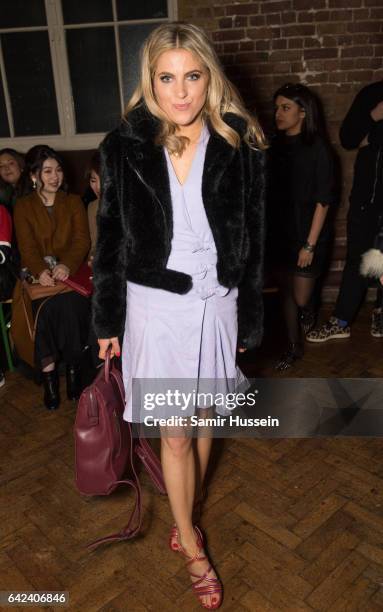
(178, 446)
(301, 300)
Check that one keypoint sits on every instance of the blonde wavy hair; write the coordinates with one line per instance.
(222, 97)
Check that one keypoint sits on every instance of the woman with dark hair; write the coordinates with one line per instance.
(53, 239)
(301, 190)
(95, 184)
(12, 177)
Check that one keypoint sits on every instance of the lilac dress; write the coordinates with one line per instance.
(188, 339)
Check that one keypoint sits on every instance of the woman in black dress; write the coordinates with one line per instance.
(302, 182)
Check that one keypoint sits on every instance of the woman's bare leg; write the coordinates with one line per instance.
(178, 464)
(179, 469)
(203, 446)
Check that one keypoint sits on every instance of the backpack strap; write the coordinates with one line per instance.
(133, 526)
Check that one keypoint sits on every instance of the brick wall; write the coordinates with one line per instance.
(334, 46)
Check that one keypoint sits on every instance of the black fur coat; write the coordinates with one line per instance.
(135, 222)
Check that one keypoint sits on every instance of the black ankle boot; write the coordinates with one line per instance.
(293, 352)
(307, 319)
(73, 382)
(51, 390)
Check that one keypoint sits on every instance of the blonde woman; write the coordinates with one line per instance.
(178, 263)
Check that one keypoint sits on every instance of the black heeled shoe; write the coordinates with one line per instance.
(73, 382)
(294, 351)
(51, 390)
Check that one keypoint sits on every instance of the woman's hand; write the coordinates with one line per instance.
(304, 258)
(377, 112)
(381, 280)
(60, 272)
(45, 279)
(242, 349)
(105, 343)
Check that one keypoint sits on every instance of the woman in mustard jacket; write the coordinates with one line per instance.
(53, 239)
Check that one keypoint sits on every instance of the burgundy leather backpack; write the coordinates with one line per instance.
(105, 447)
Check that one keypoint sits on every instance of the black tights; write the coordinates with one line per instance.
(296, 293)
(379, 298)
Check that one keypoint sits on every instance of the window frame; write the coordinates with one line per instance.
(67, 139)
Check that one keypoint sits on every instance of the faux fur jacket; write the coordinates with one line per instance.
(135, 225)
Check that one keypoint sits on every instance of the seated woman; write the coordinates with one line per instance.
(6, 276)
(95, 187)
(12, 177)
(5, 243)
(53, 237)
(95, 184)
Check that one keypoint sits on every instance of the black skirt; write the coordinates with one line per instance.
(287, 257)
(318, 265)
(62, 328)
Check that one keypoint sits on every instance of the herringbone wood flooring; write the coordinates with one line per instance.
(291, 524)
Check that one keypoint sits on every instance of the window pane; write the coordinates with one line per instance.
(4, 128)
(131, 40)
(144, 9)
(87, 11)
(93, 70)
(19, 13)
(30, 82)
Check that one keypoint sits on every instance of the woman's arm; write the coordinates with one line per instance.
(250, 299)
(109, 266)
(5, 234)
(358, 121)
(5, 227)
(323, 195)
(305, 257)
(31, 255)
(319, 218)
(92, 222)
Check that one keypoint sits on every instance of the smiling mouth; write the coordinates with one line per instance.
(181, 106)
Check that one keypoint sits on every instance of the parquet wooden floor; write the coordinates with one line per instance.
(292, 524)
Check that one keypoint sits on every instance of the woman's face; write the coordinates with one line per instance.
(10, 170)
(95, 183)
(51, 177)
(180, 85)
(289, 116)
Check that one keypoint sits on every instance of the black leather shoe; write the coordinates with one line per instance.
(73, 382)
(51, 390)
(294, 351)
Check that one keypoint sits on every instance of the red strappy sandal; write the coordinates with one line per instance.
(212, 586)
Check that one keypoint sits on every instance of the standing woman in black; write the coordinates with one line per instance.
(301, 194)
